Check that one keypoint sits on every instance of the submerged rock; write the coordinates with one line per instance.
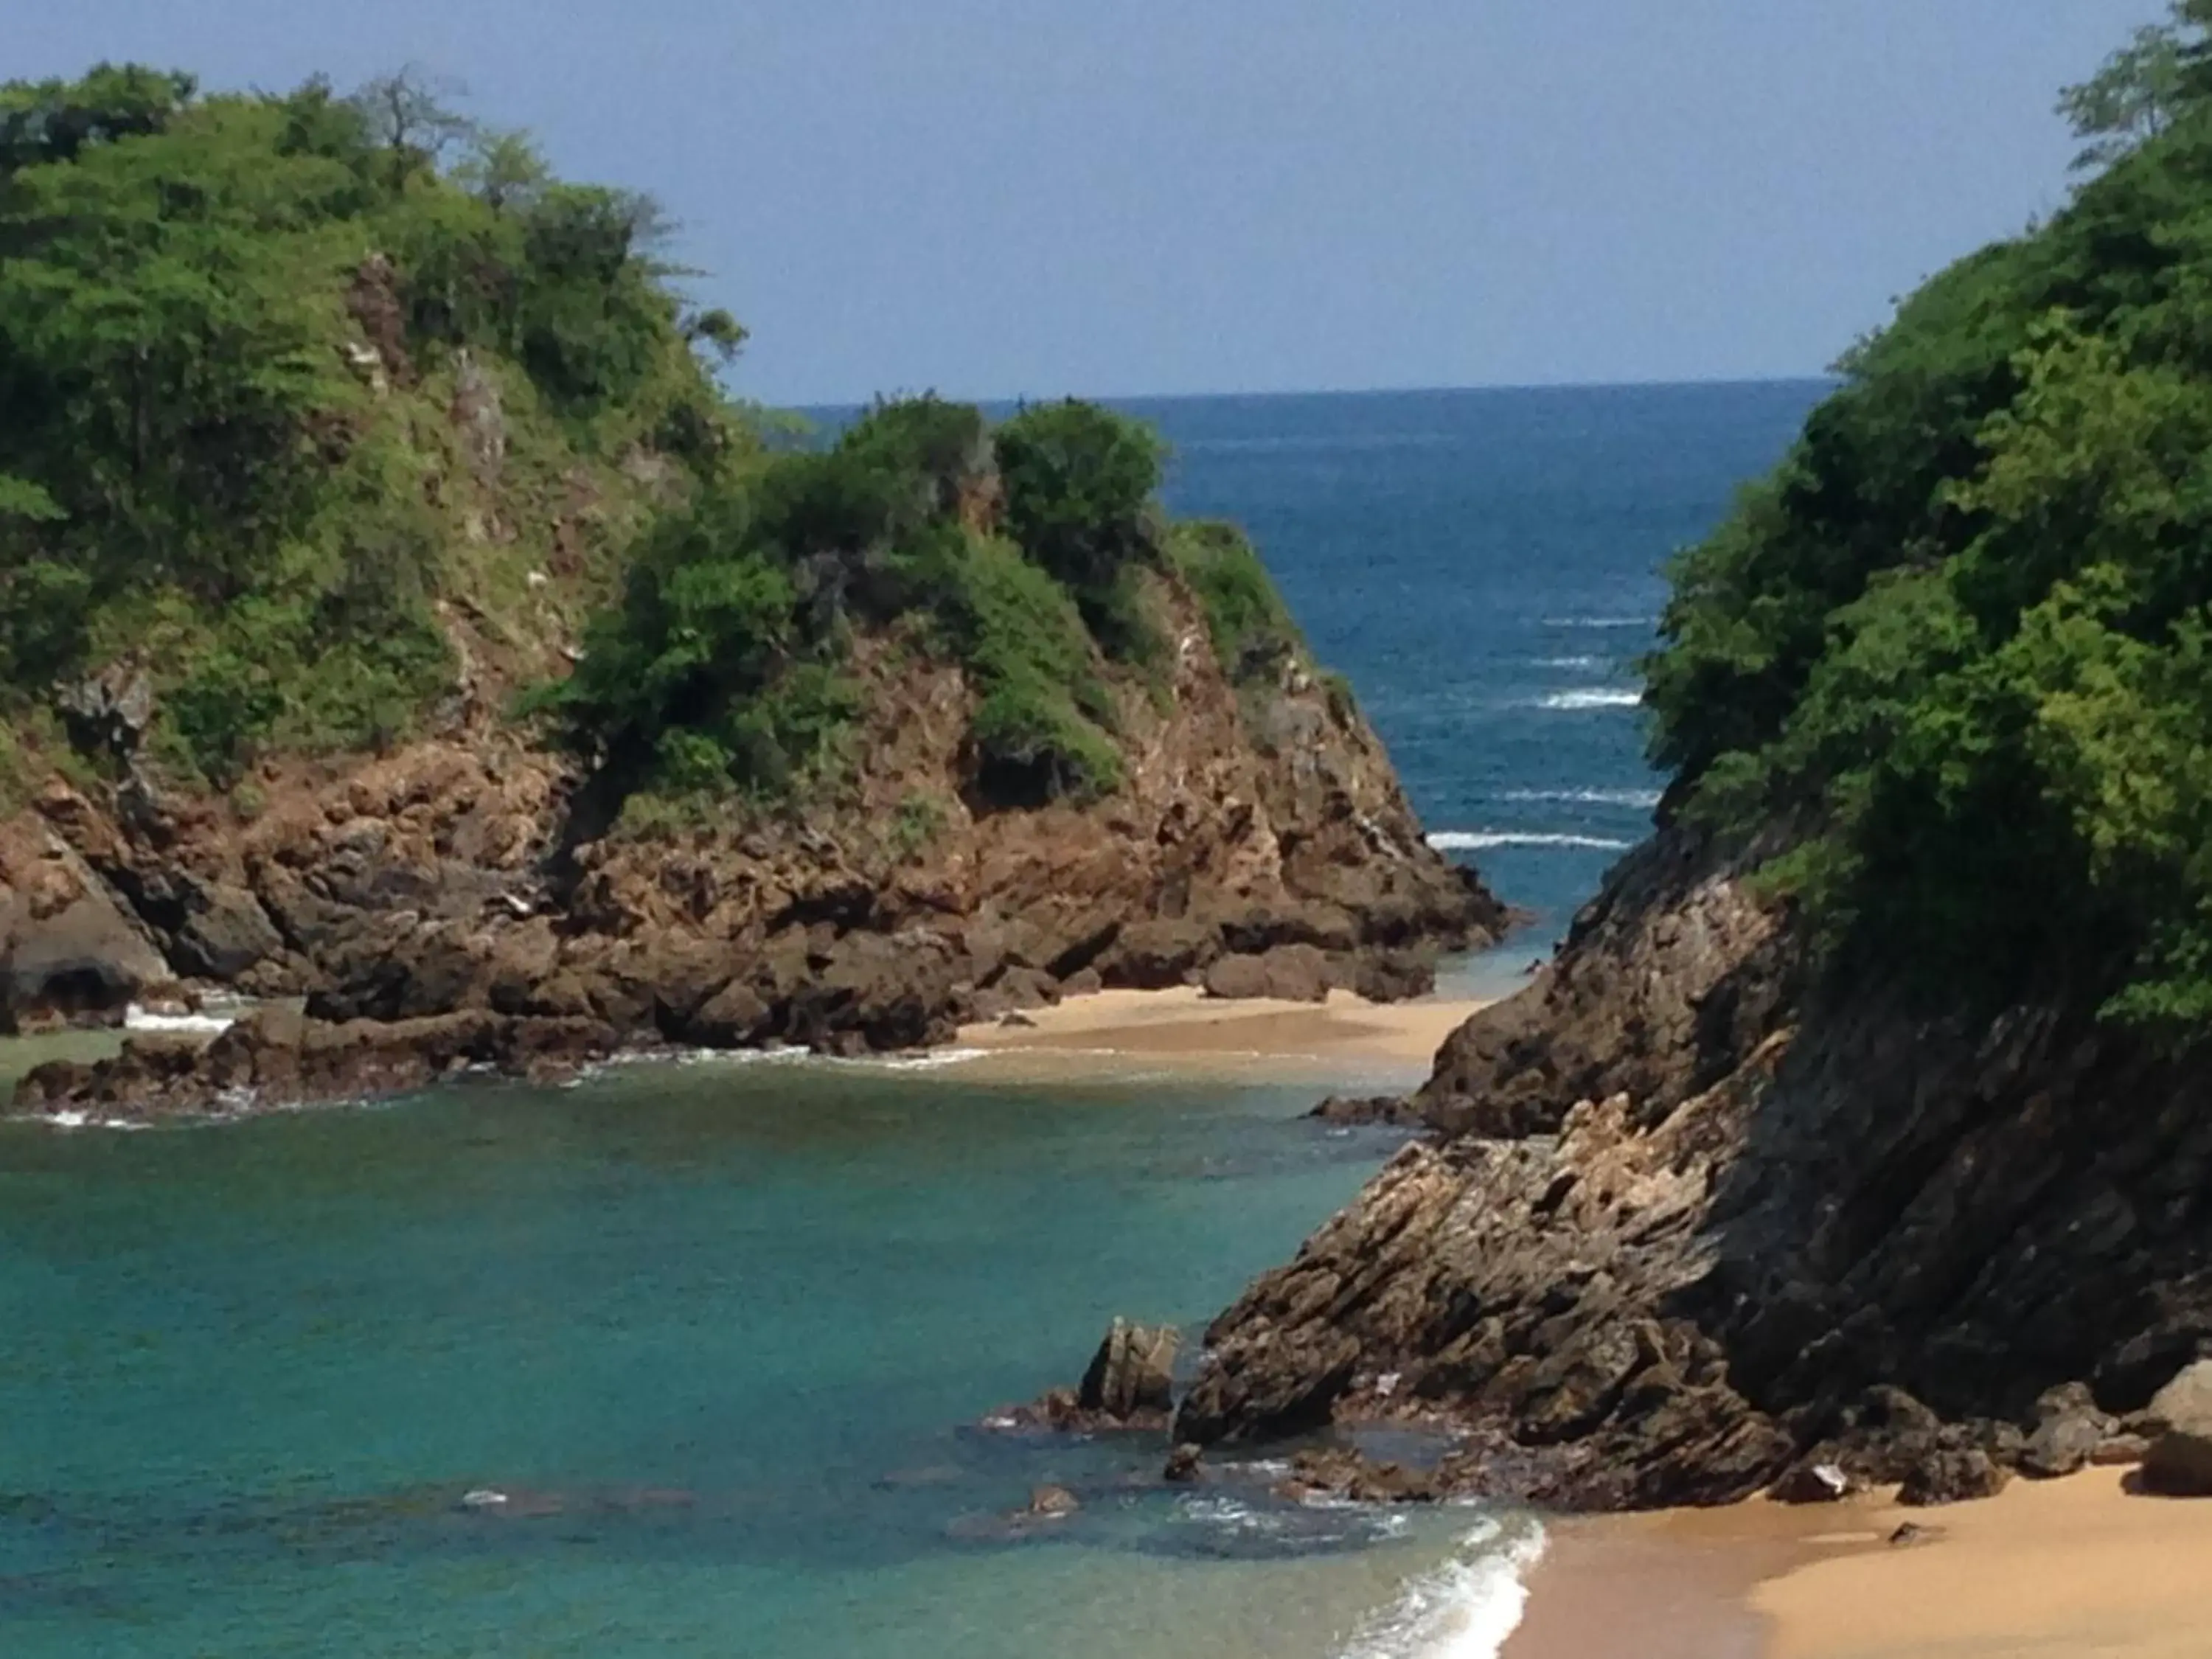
(1183, 1464)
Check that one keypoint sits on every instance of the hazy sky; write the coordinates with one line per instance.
(1118, 197)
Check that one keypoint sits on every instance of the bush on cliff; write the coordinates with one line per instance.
(720, 667)
(1961, 644)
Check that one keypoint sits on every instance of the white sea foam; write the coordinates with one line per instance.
(1600, 621)
(1619, 698)
(136, 1018)
(926, 1060)
(1643, 798)
(1463, 1610)
(1570, 662)
(73, 1120)
(1459, 840)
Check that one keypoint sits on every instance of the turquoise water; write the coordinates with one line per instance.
(713, 1331)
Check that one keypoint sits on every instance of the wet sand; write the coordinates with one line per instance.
(2067, 1569)
(1670, 1586)
(1345, 1039)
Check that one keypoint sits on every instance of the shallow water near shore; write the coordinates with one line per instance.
(676, 1360)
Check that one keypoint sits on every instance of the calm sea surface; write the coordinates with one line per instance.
(676, 1361)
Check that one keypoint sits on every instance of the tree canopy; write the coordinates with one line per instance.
(1957, 652)
(231, 330)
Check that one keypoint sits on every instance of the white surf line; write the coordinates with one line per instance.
(1606, 698)
(1465, 1609)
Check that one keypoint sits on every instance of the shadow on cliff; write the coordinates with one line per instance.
(1692, 1216)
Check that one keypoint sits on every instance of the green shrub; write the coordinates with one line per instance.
(1245, 616)
(1079, 482)
(1037, 730)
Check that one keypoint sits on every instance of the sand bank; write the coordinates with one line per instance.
(2080, 1566)
(1345, 1039)
(2066, 1569)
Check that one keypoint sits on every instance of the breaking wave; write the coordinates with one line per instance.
(1608, 699)
(1465, 1609)
(136, 1018)
(1460, 840)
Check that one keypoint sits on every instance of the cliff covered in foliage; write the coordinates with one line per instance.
(1860, 1121)
(395, 613)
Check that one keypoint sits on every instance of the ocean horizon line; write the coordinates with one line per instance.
(1131, 399)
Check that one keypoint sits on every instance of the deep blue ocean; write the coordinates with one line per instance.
(1485, 568)
(684, 1360)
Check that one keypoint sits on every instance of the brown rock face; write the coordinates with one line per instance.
(1132, 1372)
(472, 875)
(68, 950)
(1688, 1222)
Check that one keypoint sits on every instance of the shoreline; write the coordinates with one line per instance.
(2076, 1565)
(1182, 1032)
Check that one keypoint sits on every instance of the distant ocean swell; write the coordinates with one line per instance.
(1643, 800)
(1465, 1609)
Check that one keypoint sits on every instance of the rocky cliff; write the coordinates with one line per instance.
(1692, 1223)
(459, 875)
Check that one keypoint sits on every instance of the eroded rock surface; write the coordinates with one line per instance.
(469, 874)
(1686, 1225)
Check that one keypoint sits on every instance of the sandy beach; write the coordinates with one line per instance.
(1345, 1039)
(2068, 1568)
(2082, 1567)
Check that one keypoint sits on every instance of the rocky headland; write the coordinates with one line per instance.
(1686, 1228)
(434, 903)
(457, 667)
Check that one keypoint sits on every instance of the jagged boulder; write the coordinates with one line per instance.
(68, 952)
(1959, 1476)
(2068, 1434)
(1133, 1373)
(2179, 1464)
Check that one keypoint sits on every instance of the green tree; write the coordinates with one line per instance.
(2141, 89)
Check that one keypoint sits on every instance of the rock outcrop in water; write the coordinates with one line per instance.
(1688, 1222)
(447, 880)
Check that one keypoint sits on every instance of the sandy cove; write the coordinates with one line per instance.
(1345, 1038)
(2069, 1568)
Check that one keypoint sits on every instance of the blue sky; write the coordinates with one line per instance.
(997, 198)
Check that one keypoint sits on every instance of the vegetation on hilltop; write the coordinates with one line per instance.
(317, 411)
(1034, 554)
(1960, 643)
(279, 375)
(310, 403)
